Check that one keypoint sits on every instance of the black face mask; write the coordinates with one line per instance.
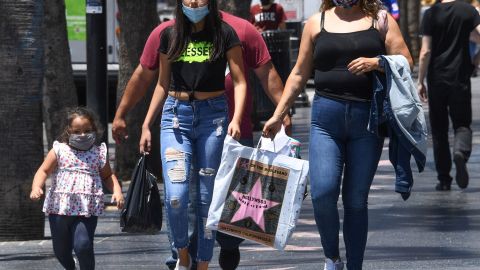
(265, 2)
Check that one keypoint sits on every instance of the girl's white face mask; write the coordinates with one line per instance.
(82, 141)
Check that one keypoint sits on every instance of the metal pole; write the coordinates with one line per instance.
(97, 87)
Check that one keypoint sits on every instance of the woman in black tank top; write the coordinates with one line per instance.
(331, 56)
(340, 45)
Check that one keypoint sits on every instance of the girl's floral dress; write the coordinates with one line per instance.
(76, 184)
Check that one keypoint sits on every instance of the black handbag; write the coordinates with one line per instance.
(143, 208)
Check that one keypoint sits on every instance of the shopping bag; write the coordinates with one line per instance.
(142, 212)
(257, 195)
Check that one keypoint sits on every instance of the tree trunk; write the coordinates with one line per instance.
(414, 26)
(410, 24)
(58, 86)
(21, 147)
(137, 20)
(240, 8)
(403, 23)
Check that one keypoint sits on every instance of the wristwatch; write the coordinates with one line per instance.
(381, 62)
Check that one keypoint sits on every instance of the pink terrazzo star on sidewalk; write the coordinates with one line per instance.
(252, 205)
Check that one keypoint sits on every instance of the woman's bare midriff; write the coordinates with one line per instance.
(198, 95)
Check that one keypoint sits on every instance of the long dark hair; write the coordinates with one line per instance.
(180, 37)
(84, 112)
(369, 7)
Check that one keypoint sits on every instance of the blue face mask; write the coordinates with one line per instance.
(345, 3)
(195, 14)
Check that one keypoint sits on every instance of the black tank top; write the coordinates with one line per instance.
(334, 51)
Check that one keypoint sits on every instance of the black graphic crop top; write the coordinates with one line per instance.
(193, 70)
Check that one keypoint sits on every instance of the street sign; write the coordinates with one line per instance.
(76, 21)
(94, 7)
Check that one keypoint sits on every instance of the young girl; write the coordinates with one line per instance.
(194, 53)
(75, 199)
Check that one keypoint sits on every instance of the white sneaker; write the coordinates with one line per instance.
(181, 267)
(77, 264)
(333, 265)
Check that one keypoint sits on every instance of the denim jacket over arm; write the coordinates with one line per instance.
(396, 104)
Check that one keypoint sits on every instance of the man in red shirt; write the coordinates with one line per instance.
(268, 16)
(256, 58)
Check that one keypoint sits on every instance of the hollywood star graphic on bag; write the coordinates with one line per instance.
(254, 202)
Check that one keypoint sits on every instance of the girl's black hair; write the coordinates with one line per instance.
(83, 112)
(180, 36)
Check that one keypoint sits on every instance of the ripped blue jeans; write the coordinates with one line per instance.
(191, 131)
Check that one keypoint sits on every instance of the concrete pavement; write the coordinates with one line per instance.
(432, 230)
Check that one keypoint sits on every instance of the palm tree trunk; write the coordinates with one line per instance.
(414, 26)
(410, 24)
(240, 8)
(137, 19)
(21, 147)
(58, 86)
(403, 23)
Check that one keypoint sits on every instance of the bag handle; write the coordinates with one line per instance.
(144, 158)
(280, 132)
(259, 144)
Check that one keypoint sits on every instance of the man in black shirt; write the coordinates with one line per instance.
(447, 28)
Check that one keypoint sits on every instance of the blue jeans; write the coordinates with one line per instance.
(225, 241)
(73, 233)
(191, 131)
(340, 142)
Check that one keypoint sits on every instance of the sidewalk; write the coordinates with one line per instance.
(432, 230)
